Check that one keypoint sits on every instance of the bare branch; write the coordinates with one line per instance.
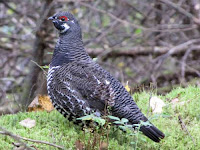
(15, 137)
(181, 10)
(19, 138)
(143, 50)
(179, 48)
(125, 22)
(183, 62)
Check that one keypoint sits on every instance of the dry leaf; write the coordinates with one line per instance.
(40, 103)
(45, 102)
(175, 100)
(35, 106)
(127, 87)
(156, 104)
(28, 123)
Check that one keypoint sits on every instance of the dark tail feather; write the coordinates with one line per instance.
(152, 132)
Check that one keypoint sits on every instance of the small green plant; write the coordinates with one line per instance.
(99, 130)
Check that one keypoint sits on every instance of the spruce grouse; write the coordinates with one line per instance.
(78, 86)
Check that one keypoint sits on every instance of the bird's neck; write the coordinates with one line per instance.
(68, 49)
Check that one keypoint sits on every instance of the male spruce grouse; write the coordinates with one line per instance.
(78, 86)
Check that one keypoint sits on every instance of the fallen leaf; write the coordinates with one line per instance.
(41, 103)
(156, 104)
(45, 102)
(28, 123)
(35, 106)
(175, 100)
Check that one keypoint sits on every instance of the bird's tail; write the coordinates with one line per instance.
(152, 132)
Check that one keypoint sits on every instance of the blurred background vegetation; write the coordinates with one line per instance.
(149, 43)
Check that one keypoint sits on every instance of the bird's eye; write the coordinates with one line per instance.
(63, 18)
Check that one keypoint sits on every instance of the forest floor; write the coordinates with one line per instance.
(179, 120)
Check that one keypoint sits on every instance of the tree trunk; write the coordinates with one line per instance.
(39, 46)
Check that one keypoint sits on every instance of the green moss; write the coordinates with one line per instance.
(54, 128)
(168, 122)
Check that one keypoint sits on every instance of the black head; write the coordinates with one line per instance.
(65, 22)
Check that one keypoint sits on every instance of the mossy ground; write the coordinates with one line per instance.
(54, 128)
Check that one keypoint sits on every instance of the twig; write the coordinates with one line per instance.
(15, 137)
(11, 8)
(184, 128)
(130, 51)
(114, 17)
(40, 67)
(14, 10)
(18, 138)
(181, 10)
(125, 22)
(193, 70)
(159, 60)
(42, 142)
(44, 16)
(148, 110)
(75, 0)
(183, 62)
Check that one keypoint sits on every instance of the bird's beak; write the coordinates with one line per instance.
(51, 18)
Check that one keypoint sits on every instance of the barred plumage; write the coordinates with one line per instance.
(78, 86)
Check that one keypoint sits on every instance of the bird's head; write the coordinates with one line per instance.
(65, 22)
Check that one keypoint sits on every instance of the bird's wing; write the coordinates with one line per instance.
(92, 83)
(86, 83)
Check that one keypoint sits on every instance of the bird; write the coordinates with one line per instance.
(79, 86)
